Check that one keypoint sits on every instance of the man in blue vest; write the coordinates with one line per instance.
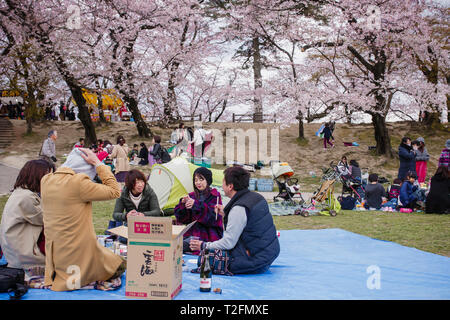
(250, 235)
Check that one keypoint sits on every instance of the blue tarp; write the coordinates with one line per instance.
(315, 264)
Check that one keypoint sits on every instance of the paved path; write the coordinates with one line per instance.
(8, 177)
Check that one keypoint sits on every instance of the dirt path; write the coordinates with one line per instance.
(8, 177)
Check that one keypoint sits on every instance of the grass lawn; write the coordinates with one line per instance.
(427, 232)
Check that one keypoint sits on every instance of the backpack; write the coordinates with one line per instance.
(164, 155)
(348, 203)
(394, 192)
(12, 280)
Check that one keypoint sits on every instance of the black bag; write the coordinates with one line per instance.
(12, 280)
(165, 156)
(348, 203)
(382, 180)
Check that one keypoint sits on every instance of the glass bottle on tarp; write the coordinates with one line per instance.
(205, 273)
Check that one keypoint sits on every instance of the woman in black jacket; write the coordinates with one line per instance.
(438, 199)
(407, 156)
(143, 155)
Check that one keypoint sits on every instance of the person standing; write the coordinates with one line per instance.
(422, 157)
(120, 153)
(407, 157)
(327, 135)
(48, 148)
(62, 111)
(183, 139)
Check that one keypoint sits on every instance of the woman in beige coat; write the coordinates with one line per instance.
(74, 258)
(22, 225)
(120, 153)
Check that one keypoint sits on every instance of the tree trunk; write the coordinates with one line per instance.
(142, 128)
(301, 129)
(101, 115)
(170, 105)
(431, 119)
(383, 146)
(90, 136)
(257, 78)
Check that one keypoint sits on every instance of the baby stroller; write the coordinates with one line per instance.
(323, 202)
(288, 188)
(350, 186)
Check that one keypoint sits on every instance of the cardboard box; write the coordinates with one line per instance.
(154, 261)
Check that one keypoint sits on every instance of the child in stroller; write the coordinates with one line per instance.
(288, 188)
(351, 185)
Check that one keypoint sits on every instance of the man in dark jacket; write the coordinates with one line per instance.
(407, 157)
(250, 234)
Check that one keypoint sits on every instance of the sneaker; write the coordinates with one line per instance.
(421, 204)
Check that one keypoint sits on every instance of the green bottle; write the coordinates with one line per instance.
(205, 273)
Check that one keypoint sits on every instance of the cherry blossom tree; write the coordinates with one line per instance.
(360, 60)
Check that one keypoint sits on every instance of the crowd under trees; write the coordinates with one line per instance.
(302, 60)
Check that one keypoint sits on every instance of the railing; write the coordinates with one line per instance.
(253, 117)
(194, 117)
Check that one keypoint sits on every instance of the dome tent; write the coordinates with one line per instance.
(173, 180)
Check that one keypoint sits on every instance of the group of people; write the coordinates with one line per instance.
(13, 110)
(62, 112)
(185, 140)
(47, 226)
(406, 191)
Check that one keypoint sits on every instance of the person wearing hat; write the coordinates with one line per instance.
(444, 159)
(67, 195)
(422, 157)
(199, 206)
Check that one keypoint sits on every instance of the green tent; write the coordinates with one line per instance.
(173, 180)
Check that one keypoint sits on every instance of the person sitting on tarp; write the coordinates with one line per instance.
(374, 193)
(393, 192)
(199, 206)
(438, 198)
(74, 257)
(143, 155)
(22, 227)
(137, 198)
(355, 171)
(344, 168)
(250, 236)
(407, 197)
(134, 152)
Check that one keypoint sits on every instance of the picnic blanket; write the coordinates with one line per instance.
(313, 264)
